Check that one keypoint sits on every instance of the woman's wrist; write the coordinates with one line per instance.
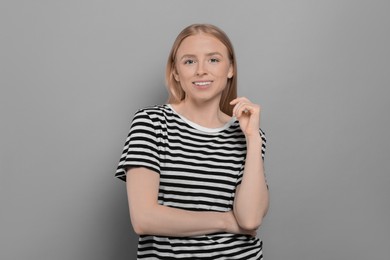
(224, 221)
(254, 139)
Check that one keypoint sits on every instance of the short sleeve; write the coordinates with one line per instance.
(264, 143)
(263, 146)
(141, 146)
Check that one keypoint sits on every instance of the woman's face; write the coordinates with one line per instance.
(202, 67)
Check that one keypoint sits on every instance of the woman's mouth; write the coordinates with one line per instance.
(202, 84)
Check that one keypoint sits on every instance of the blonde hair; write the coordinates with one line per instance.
(176, 93)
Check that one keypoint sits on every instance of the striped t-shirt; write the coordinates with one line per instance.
(199, 170)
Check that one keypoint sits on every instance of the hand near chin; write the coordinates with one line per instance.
(248, 115)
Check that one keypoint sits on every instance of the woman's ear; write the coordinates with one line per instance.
(230, 72)
(176, 75)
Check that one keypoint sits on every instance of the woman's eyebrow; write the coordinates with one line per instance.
(214, 53)
(185, 56)
(194, 56)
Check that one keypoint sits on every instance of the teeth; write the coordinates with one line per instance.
(202, 83)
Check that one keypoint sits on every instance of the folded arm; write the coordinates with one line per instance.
(150, 218)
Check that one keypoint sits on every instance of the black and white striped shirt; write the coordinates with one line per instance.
(199, 170)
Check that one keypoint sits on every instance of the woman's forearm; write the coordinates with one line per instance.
(150, 218)
(252, 199)
(166, 221)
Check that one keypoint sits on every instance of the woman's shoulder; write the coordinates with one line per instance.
(153, 110)
(155, 113)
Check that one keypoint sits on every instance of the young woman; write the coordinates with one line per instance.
(194, 167)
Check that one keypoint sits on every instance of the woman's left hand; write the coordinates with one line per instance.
(248, 115)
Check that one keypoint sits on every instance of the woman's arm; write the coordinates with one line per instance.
(251, 198)
(150, 218)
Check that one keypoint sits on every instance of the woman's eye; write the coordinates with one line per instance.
(213, 60)
(189, 62)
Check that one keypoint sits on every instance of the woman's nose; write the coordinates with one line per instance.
(201, 69)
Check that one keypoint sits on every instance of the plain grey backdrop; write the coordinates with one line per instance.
(74, 72)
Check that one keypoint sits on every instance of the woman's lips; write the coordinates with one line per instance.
(202, 84)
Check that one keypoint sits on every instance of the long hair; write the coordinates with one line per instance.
(176, 93)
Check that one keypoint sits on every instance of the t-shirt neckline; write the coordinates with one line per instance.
(203, 128)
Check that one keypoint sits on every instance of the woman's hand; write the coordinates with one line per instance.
(248, 115)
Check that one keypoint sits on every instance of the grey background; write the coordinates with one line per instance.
(74, 72)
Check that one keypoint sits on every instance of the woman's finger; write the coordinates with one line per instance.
(238, 99)
(245, 108)
(237, 108)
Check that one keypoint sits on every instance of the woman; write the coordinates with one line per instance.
(194, 167)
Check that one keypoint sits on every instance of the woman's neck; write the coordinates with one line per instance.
(207, 115)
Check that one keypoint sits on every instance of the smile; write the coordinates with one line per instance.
(202, 83)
